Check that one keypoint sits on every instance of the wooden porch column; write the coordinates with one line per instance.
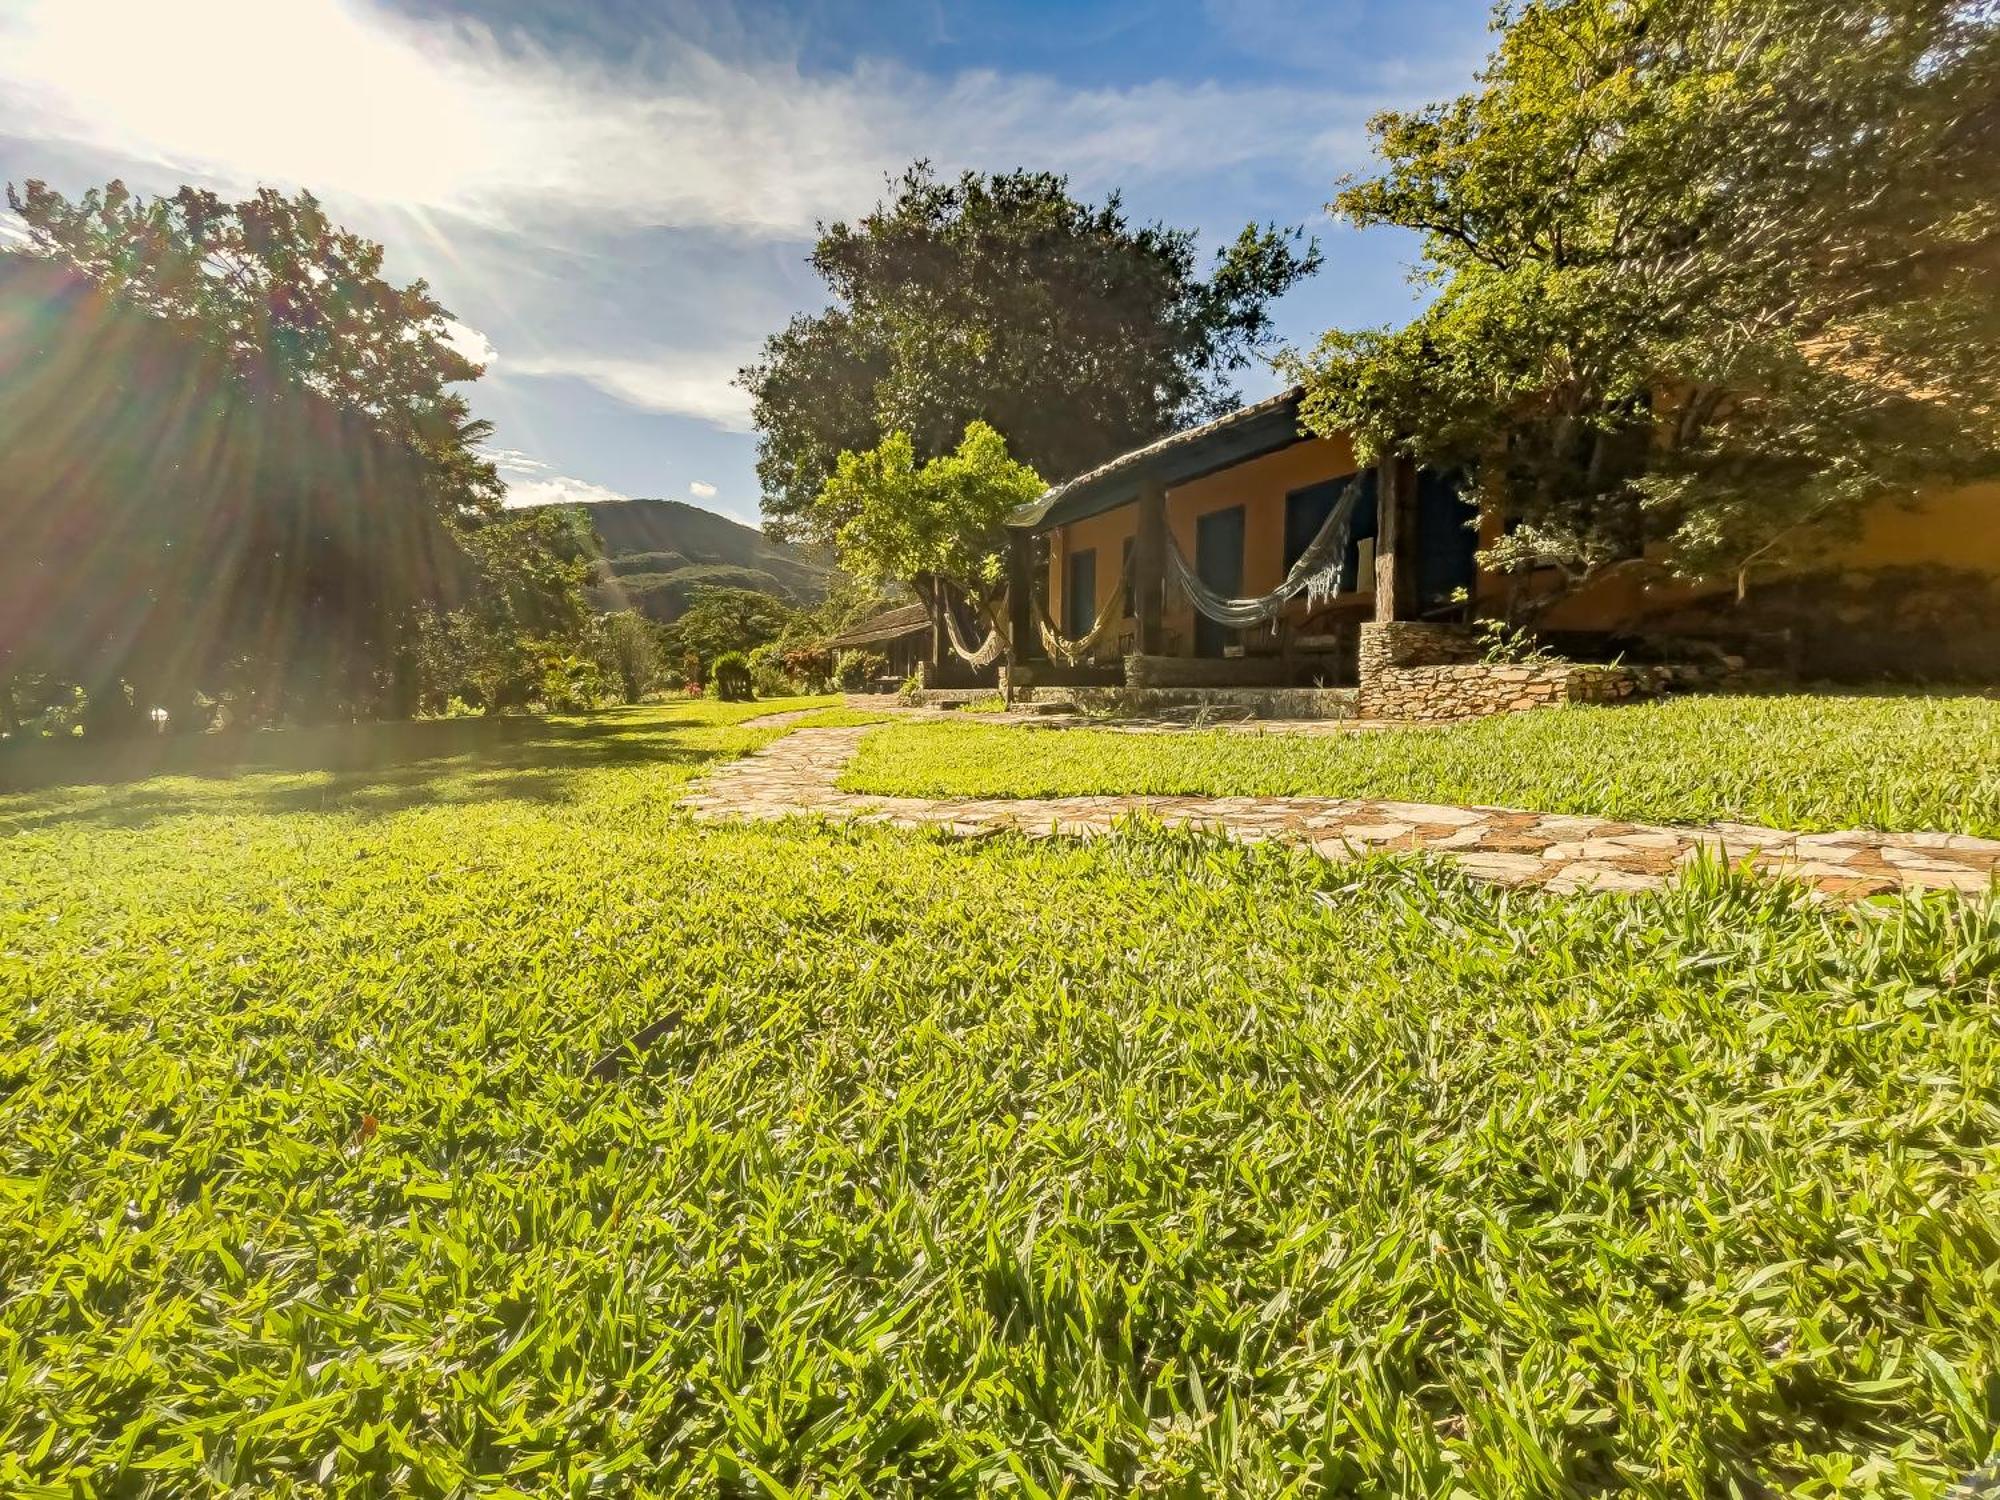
(1396, 540)
(1020, 593)
(934, 595)
(1149, 566)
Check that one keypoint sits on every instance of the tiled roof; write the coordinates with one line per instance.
(1249, 431)
(904, 619)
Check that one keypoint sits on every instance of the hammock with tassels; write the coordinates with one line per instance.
(985, 654)
(1316, 574)
(1072, 653)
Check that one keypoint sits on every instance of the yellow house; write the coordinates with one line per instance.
(1241, 498)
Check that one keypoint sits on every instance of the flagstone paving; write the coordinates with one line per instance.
(797, 777)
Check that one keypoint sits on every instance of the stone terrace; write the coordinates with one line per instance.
(796, 776)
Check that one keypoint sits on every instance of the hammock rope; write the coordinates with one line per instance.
(1072, 653)
(1316, 574)
(985, 654)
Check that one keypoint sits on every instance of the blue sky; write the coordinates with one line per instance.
(616, 197)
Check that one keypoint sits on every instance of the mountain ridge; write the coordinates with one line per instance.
(657, 552)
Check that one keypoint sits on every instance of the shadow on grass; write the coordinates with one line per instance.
(373, 769)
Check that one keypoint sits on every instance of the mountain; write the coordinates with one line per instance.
(657, 552)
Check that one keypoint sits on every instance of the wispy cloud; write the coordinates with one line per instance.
(689, 385)
(460, 118)
(558, 489)
(531, 482)
(701, 490)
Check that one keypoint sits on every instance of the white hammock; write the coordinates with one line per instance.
(985, 654)
(1316, 574)
(1072, 653)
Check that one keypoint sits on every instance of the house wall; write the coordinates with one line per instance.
(1938, 626)
(1259, 486)
(1956, 527)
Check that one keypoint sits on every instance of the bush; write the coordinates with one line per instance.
(810, 666)
(730, 677)
(570, 683)
(859, 669)
(768, 677)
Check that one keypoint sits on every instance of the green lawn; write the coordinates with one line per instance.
(1141, 1166)
(1907, 762)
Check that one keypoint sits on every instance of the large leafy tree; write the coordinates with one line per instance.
(285, 294)
(236, 463)
(941, 521)
(1004, 299)
(1712, 277)
(721, 620)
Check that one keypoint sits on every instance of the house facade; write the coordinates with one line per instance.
(1240, 499)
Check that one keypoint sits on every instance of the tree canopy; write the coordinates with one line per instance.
(1712, 276)
(1003, 299)
(903, 521)
(921, 524)
(236, 469)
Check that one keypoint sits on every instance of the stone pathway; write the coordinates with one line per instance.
(795, 776)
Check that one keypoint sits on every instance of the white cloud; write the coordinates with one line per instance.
(696, 385)
(470, 342)
(558, 489)
(514, 461)
(530, 481)
(701, 489)
(340, 96)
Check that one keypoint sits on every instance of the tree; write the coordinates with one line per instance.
(284, 294)
(234, 466)
(719, 621)
(1713, 277)
(945, 519)
(628, 649)
(1003, 299)
(525, 627)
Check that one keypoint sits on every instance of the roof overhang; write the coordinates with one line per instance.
(1237, 437)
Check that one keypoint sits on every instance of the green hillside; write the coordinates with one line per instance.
(657, 552)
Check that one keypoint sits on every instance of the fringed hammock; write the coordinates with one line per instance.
(985, 654)
(1072, 653)
(1316, 574)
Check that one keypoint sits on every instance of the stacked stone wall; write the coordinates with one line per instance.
(1426, 672)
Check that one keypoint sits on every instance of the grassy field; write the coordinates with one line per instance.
(1906, 762)
(329, 1162)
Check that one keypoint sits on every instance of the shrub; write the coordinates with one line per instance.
(730, 676)
(570, 683)
(810, 666)
(768, 676)
(858, 669)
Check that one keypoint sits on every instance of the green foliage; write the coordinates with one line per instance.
(856, 670)
(441, 1125)
(238, 469)
(726, 620)
(729, 675)
(628, 652)
(179, 532)
(283, 293)
(1807, 762)
(526, 631)
(945, 519)
(1713, 276)
(1003, 299)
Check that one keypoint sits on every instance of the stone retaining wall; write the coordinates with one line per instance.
(1423, 671)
